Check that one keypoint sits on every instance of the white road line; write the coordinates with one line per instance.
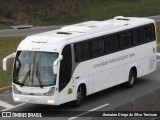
(6, 105)
(158, 54)
(72, 118)
(14, 107)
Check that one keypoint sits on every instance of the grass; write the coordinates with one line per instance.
(102, 9)
(2, 27)
(158, 33)
(8, 45)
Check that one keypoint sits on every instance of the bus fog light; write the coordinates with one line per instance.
(16, 99)
(50, 101)
(50, 92)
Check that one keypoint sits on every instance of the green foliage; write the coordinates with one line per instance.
(103, 9)
(54, 12)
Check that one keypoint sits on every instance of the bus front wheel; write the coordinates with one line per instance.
(80, 96)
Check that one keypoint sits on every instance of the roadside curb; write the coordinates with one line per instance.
(5, 88)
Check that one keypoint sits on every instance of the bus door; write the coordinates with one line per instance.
(65, 82)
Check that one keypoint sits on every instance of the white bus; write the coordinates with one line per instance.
(78, 60)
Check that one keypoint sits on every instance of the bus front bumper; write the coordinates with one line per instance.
(47, 100)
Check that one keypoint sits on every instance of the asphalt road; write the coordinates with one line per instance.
(26, 32)
(35, 30)
(104, 100)
(156, 18)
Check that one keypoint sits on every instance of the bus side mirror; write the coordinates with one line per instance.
(55, 64)
(6, 59)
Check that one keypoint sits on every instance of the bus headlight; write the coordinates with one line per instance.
(16, 99)
(16, 91)
(50, 92)
(50, 101)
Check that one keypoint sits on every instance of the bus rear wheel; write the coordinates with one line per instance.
(80, 96)
(131, 79)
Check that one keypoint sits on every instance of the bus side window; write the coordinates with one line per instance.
(126, 39)
(112, 43)
(97, 47)
(150, 32)
(139, 35)
(82, 51)
(65, 67)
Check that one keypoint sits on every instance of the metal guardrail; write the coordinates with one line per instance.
(22, 26)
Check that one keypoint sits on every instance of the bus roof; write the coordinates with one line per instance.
(86, 30)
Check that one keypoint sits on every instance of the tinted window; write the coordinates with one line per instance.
(97, 47)
(82, 51)
(139, 36)
(126, 39)
(112, 43)
(150, 32)
(65, 67)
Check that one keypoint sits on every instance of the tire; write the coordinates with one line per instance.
(131, 79)
(80, 97)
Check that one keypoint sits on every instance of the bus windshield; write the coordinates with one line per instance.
(34, 69)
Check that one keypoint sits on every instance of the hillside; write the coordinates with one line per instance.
(53, 12)
(24, 11)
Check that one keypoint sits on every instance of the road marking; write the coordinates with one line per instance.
(14, 107)
(6, 105)
(72, 118)
(158, 54)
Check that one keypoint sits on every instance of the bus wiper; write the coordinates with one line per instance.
(39, 77)
(27, 74)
